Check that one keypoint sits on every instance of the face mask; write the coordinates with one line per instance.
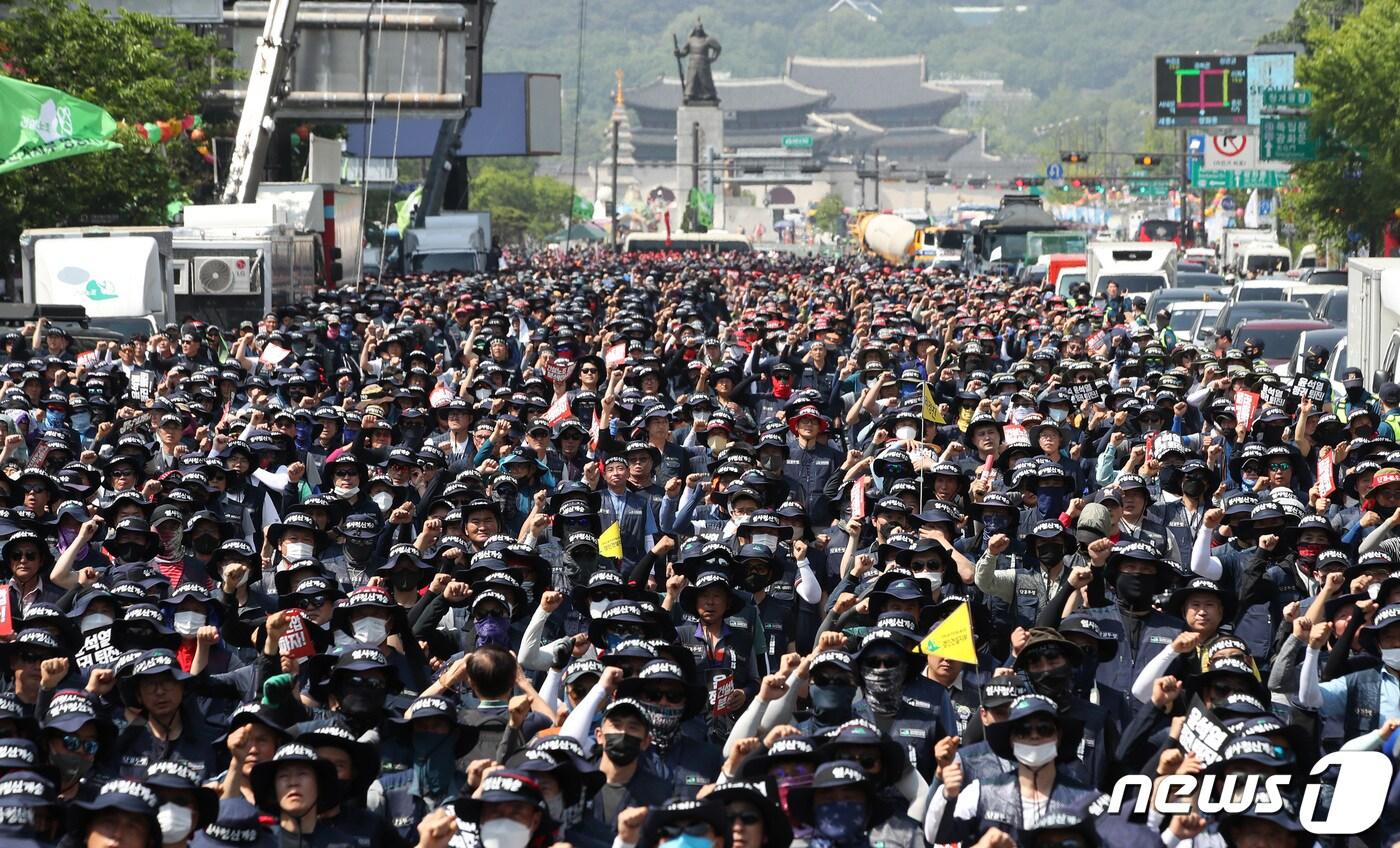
(1309, 550)
(1054, 684)
(176, 822)
(883, 687)
(188, 623)
(701, 416)
(347, 493)
(95, 621)
(1249, 479)
(504, 833)
(404, 581)
(994, 524)
(242, 579)
(359, 551)
(71, 767)
(665, 723)
(433, 761)
(1355, 393)
(1193, 488)
(128, 551)
(1135, 590)
(555, 807)
(363, 702)
(686, 840)
(832, 704)
(1050, 556)
(205, 545)
(53, 418)
(595, 608)
(772, 463)
(1035, 756)
(370, 631)
(1391, 657)
(766, 540)
(297, 551)
(383, 500)
(933, 580)
(491, 630)
(906, 433)
(1058, 415)
(717, 442)
(528, 587)
(622, 748)
(170, 538)
(840, 821)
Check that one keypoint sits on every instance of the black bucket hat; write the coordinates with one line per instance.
(1071, 730)
(264, 777)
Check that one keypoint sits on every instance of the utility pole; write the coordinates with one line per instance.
(877, 179)
(612, 212)
(1187, 235)
(695, 155)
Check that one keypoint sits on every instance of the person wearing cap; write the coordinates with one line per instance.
(159, 690)
(841, 808)
(1039, 740)
(356, 768)
(1368, 699)
(631, 511)
(295, 787)
(124, 814)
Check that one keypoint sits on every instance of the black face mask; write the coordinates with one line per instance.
(757, 582)
(128, 551)
(1055, 684)
(1193, 487)
(404, 581)
(622, 748)
(1135, 590)
(1049, 556)
(1355, 393)
(205, 545)
(363, 702)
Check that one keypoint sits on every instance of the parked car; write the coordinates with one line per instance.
(1235, 313)
(1327, 338)
(1278, 335)
(1332, 307)
(1186, 315)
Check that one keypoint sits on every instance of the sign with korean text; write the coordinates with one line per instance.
(1286, 139)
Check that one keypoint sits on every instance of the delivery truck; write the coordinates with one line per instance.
(1138, 267)
(122, 277)
(1373, 318)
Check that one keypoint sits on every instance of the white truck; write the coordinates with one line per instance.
(452, 241)
(1139, 267)
(1373, 318)
(305, 206)
(241, 261)
(123, 277)
(1233, 240)
(1262, 257)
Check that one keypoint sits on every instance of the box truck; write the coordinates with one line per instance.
(1373, 318)
(122, 277)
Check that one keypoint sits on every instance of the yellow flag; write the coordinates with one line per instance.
(932, 413)
(952, 638)
(610, 543)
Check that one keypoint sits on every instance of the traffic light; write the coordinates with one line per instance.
(1147, 160)
(1074, 157)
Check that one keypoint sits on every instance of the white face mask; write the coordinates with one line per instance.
(243, 579)
(297, 551)
(188, 623)
(176, 822)
(347, 493)
(555, 807)
(595, 608)
(766, 540)
(1034, 756)
(1058, 414)
(1391, 657)
(504, 833)
(933, 581)
(95, 621)
(906, 432)
(370, 631)
(1374, 590)
(717, 442)
(383, 500)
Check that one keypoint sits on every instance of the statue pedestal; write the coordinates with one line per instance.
(710, 120)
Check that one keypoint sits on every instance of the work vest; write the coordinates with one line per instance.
(999, 803)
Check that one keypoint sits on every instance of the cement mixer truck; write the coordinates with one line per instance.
(889, 237)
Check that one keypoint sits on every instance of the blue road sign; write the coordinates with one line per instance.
(1196, 145)
(1227, 203)
(1054, 171)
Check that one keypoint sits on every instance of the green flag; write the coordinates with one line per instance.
(701, 206)
(41, 124)
(403, 210)
(583, 210)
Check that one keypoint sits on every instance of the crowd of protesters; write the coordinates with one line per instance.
(642, 552)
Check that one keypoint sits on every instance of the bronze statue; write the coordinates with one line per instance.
(700, 51)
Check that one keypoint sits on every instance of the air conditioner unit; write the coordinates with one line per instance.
(180, 275)
(223, 275)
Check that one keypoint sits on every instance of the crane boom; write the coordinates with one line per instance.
(265, 80)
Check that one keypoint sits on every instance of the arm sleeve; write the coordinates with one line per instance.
(1375, 537)
(1103, 472)
(1330, 697)
(748, 723)
(999, 583)
(1201, 563)
(532, 654)
(780, 711)
(808, 588)
(550, 689)
(1155, 668)
(577, 724)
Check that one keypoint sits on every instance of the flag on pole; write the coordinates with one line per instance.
(932, 413)
(583, 210)
(1251, 210)
(952, 638)
(610, 543)
(404, 209)
(43, 124)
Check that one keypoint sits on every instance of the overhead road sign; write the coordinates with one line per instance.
(1201, 90)
(1266, 72)
(1287, 140)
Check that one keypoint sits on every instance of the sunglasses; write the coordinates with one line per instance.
(588, 370)
(24, 556)
(1034, 730)
(314, 601)
(35, 490)
(671, 831)
(346, 472)
(878, 663)
(78, 745)
(746, 817)
(1279, 466)
(30, 657)
(670, 696)
(600, 597)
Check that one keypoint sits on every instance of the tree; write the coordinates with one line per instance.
(139, 68)
(1354, 72)
(827, 214)
(520, 202)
